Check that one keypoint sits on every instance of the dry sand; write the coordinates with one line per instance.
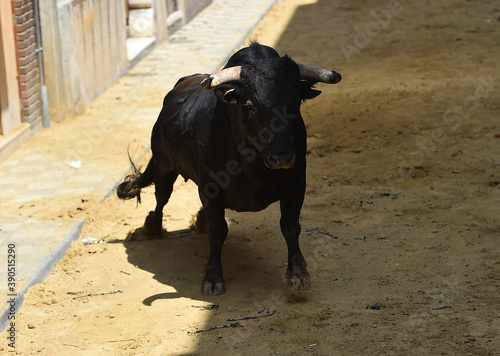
(400, 220)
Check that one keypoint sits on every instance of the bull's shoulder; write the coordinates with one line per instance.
(192, 81)
(183, 86)
(188, 105)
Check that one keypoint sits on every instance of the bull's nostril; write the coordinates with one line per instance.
(273, 162)
(276, 161)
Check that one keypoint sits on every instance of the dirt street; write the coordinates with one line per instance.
(400, 225)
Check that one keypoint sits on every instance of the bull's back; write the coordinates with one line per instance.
(176, 134)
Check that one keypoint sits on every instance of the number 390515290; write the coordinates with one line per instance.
(11, 265)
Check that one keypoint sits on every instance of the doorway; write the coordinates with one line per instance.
(10, 107)
(140, 27)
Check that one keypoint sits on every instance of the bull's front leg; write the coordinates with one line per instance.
(213, 283)
(291, 204)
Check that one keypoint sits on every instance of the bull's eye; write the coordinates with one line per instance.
(248, 108)
(248, 104)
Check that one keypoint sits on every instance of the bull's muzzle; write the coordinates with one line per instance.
(280, 161)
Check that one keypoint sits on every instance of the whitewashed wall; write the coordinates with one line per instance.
(85, 47)
(84, 51)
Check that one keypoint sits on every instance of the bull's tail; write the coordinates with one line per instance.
(135, 181)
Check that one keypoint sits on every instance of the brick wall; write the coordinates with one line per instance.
(27, 59)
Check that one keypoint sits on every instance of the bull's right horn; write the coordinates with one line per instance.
(310, 72)
(228, 75)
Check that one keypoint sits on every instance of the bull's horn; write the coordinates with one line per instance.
(310, 72)
(228, 75)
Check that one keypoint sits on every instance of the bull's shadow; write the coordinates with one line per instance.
(172, 258)
(177, 259)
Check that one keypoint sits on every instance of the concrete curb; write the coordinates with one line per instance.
(43, 271)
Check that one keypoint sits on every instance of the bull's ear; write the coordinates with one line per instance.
(310, 94)
(227, 93)
(307, 91)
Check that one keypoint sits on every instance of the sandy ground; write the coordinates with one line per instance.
(400, 221)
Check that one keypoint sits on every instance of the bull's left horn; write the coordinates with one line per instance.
(228, 75)
(310, 72)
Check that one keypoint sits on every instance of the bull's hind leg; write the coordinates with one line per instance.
(164, 184)
(200, 221)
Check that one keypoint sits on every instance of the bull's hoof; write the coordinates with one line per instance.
(151, 225)
(299, 281)
(296, 274)
(140, 234)
(213, 285)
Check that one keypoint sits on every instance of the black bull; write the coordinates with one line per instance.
(241, 138)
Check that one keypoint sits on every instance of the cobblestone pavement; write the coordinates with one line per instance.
(35, 174)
